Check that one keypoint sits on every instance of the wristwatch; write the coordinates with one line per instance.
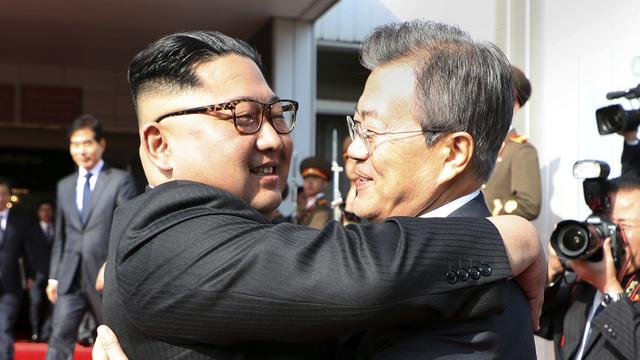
(611, 297)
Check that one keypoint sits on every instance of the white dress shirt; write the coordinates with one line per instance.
(82, 172)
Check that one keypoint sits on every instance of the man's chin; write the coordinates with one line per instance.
(267, 204)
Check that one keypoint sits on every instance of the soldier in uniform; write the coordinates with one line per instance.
(316, 174)
(514, 185)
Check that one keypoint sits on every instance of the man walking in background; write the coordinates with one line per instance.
(41, 242)
(86, 200)
(14, 243)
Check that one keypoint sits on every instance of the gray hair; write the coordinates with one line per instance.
(462, 84)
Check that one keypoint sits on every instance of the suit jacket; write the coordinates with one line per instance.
(630, 160)
(194, 271)
(84, 246)
(505, 336)
(14, 244)
(40, 248)
(615, 331)
(516, 177)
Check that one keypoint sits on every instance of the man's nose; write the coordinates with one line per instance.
(268, 138)
(357, 149)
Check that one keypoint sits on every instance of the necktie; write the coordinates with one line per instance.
(49, 232)
(86, 196)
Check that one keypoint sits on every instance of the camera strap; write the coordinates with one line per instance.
(631, 288)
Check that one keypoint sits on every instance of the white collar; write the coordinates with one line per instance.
(446, 209)
(94, 172)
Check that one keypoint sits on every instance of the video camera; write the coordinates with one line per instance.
(614, 118)
(573, 239)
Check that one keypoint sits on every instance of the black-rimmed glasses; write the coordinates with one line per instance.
(356, 130)
(247, 114)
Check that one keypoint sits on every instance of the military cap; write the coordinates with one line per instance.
(315, 166)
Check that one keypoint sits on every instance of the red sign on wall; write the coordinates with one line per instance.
(50, 105)
(7, 106)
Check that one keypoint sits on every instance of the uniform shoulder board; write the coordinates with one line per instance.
(518, 138)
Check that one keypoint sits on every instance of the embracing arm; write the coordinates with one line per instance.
(227, 278)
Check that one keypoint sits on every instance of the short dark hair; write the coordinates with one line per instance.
(4, 181)
(462, 84)
(43, 202)
(624, 183)
(86, 121)
(169, 63)
(521, 85)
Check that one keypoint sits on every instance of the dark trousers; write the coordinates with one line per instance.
(9, 306)
(68, 313)
(40, 309)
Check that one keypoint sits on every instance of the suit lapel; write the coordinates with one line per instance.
(99, 189)
(69, 195)
(7, 230)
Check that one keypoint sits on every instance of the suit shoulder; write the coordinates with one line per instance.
(113, 171)
(69, 178)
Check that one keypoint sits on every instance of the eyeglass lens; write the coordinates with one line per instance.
(248, 116)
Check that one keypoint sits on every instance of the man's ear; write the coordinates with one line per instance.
(458, 150)
(154, 146)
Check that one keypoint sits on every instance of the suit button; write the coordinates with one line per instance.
(485, 270)
(463, 274)
(474, 272)
(452, 277)
(605, 326)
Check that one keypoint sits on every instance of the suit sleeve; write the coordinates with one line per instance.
(619, 323)
(229, 281)
(57, 248)
(525, 183)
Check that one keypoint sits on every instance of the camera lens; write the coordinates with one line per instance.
(573, 241)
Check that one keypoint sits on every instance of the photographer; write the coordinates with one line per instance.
(594, 312)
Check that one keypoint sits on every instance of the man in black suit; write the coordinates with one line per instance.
(195, 268)
(41, 242)
(14, 236)
(424, 146)
(594, 311)
(86, 200)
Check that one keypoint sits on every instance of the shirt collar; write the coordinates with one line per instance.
(94, 172)
(446, 209)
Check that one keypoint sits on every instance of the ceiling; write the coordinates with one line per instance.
(106, 34)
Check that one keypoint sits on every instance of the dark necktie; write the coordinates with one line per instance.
(86, 196)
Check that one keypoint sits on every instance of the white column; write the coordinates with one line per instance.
(294, 77)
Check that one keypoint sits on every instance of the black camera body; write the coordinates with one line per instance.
(574, 239)
(614, 118)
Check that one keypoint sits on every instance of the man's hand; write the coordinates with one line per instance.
(107, 346)
(528, 262)
(602, 274)
(52, 292)
(555, 267)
